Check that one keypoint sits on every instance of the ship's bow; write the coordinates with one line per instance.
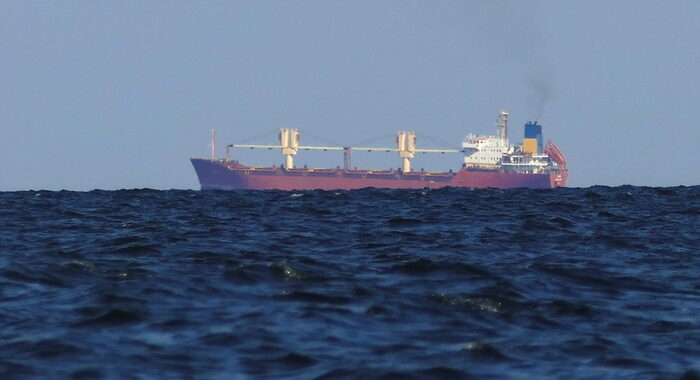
(213, 175)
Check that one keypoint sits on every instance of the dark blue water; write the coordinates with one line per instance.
(452, 283)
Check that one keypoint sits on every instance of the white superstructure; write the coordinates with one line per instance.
(485, 151)
(497, 153)
(488, 151)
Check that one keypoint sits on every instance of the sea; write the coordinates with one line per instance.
(569, 283)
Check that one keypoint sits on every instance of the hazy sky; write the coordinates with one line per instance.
(119, 94)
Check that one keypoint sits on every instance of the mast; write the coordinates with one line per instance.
(502, 125)
(347, 157)
(212, 144)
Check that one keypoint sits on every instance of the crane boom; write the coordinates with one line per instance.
(369, 149)
(289, 144)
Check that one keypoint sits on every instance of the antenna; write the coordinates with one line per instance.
(212, 144)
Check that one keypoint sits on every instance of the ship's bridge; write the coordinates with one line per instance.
(485, 150)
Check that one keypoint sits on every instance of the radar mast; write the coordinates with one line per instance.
(502, 125)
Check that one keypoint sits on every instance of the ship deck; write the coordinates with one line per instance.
(338, 172)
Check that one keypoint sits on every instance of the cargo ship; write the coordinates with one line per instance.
(489, 161)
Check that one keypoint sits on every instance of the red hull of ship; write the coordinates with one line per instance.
(227, 175)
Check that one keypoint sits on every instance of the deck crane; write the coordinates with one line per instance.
(289, 145)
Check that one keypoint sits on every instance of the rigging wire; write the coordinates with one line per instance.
(373, 139)
(322, 139)
(274, 132)
(438, 141)
(384, 137)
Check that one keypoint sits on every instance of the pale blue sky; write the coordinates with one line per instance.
(118, 94)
